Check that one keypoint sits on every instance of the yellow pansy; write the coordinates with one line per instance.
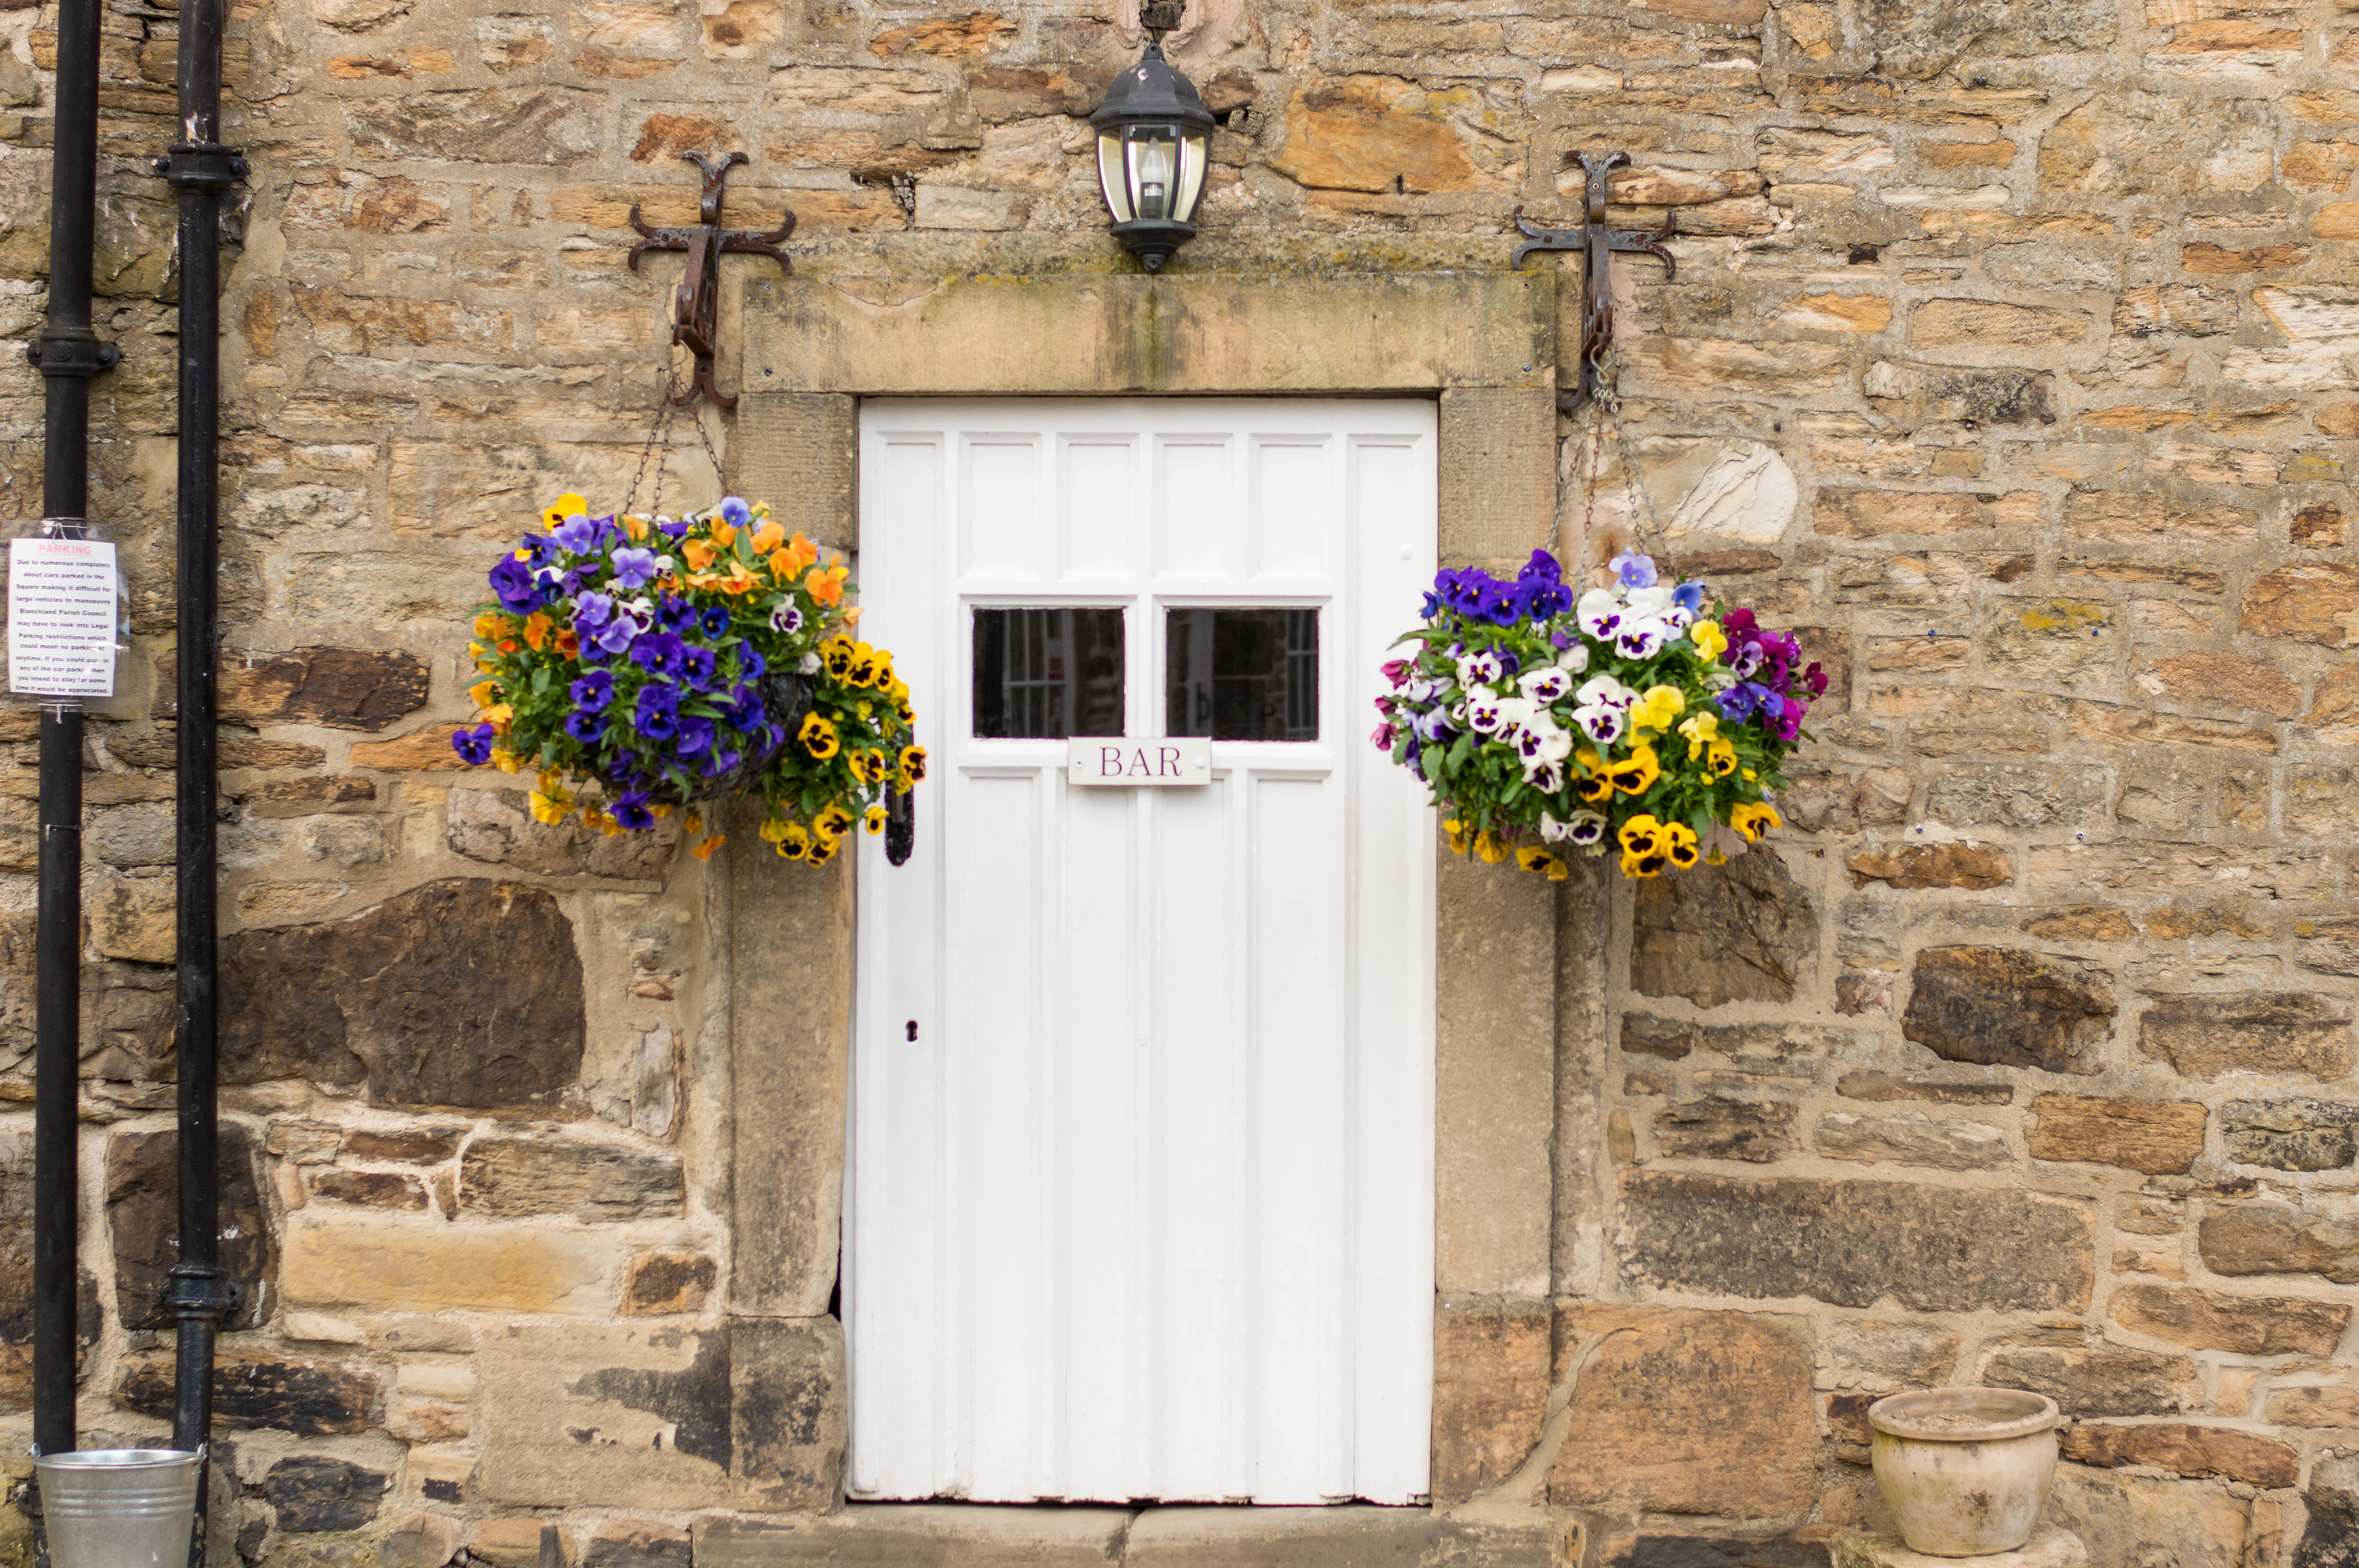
(1489, 850)
(564, 506)
(1644, 846)
(823, 851)
(1657, 709)
(794, 841)
(832, 823)
(1701, 730)
(508, 762)
(874, 819)
(1635, 773)
(1755, 819)
(1455, 831)
(913, 767)
(1710, 641)
(484, 694)
(817, 737)
(551, 806)
(703, 851)
(1532, 858)
(1679, 844)
(768, 537)
(1720, 759)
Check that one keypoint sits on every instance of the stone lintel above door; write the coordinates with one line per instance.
(1484, 345)
(1485, 342)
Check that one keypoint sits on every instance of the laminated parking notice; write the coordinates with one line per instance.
(61, 617)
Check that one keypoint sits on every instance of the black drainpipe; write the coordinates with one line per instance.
(67, 355)
(201, 170)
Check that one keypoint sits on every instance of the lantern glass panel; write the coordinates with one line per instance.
(1192, 164)
(1113, 177)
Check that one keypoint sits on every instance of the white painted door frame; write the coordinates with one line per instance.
(1141, 1187)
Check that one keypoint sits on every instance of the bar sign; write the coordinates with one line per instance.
(1154, 759)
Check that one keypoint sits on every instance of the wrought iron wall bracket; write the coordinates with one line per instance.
(1600, 242)
(696, 303)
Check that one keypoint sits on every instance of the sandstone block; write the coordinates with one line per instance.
(368, 1189)
(1851, 1243)
(2188, 1450)
(954, 207)
(1742, 932)
(1721, 1126)
(2247, 1326)
(508, 1178)
(2316, 602)
(2140, 519)
(432, 1265)
(2330, 1405)
(1876, 513)
(1913, 1140)
(2277, 1239)
(749, 1416)
(2153, 1136)
(1491, 1378)
(254, 1386)
(421, 1541)
(312, 1492)
(416, 1144)
(1993, 324)
(545, 126)
(1902, 867)
(143, 1190)
(637, 1543)
(659, 1283)
(2003, 1007)
(2100, 1379)
(893, 1535)
(2067, 640)
(1871, 1085)
(2133, 1518)
(2048, 1547)
(421, 749)
(518, 1544)
(131, 917)
(2250, 1032)
(1652, 1429)
(2292, 1135)
(462, 992)
(344, 688)
(1373, 134)
(2223, 680)
(2013, 795)
(1870, 1353)
(496, 827)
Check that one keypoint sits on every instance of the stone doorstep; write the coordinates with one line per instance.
(2050, 1547)
(978, 1535)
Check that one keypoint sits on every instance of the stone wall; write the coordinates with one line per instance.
(2008, 354)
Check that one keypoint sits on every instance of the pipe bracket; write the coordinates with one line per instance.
(199, 166)
(202, 1291)
(72, 352)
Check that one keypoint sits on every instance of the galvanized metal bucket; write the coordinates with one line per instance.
(119, 1508)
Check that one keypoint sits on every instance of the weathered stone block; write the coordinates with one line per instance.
(2004, 1007)
(1871, 1085)
(1870, 1353)
(514, 1176)
(1490, 1376)
(2130, 1520)
(16, 1277)
(2188, 1450)
(143, 1196)
(637, 1543)
(2066, 642)
(2158, 1137)
(547, 125)
(2311, 602)
(1931, 1248)
(1945, 1144)
(256, 1387)
(660, 1283)
(2252, 1032)
(747, 1416)
(2247, 1326)
(462, 992)
(2290, 1135)
(312, 1492)
(496, 827)
(2100, 1379)
(1742, 932)
(1654, 1428)
(1719, 1127)
(2277, 1239)
(2048, 1547)
(1901, 866)
(344, 688)
(2329, 1405)
(390, 1265)
(890, 1535)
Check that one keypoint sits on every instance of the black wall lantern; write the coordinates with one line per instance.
(1154, 138)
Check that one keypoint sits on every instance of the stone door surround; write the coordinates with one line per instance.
(1484, 344)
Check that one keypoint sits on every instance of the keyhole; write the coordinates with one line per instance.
(913, 1029)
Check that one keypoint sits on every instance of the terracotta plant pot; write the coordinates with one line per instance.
(1965, 1471)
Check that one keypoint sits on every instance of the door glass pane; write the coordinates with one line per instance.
(1047, 674)
(1243, 675)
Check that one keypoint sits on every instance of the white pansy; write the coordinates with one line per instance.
(1482, 714)
(1600, 613)
(1547, 778)
(1513, 712)
(1551, 829)
(1604, 692)
(1586, 828)
(1546, 684)
(1481, 669)
(1602, 723)
(1641, 639)
(1649, 603)
(1575, 659)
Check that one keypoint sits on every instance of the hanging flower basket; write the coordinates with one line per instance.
(1626, 720)
(643, 666)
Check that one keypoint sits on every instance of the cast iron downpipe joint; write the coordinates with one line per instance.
(201, 170)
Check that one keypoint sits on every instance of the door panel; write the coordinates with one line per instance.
(1141, 1190)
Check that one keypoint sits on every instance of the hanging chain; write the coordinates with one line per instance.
(1648, 534)
(658, 446)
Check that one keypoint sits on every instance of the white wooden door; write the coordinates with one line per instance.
(1142, 1170)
